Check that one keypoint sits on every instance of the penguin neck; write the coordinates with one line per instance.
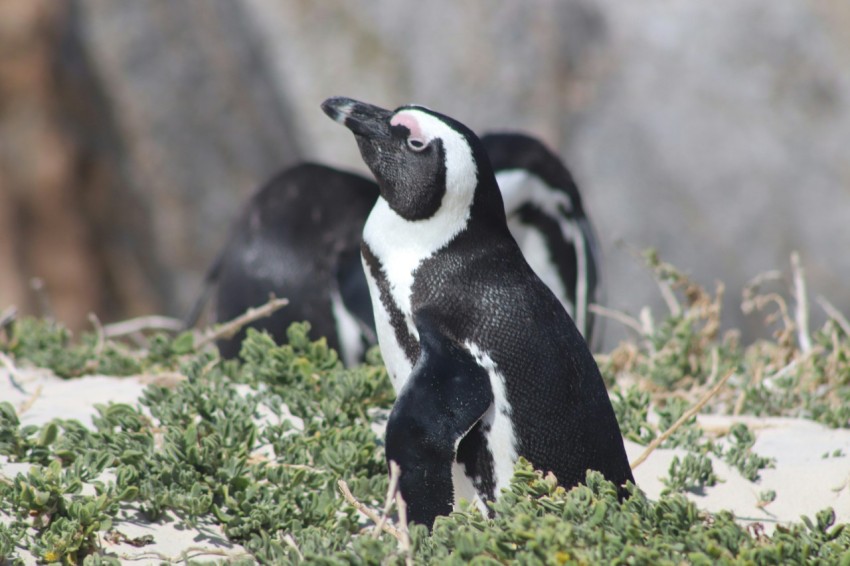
(401, 244)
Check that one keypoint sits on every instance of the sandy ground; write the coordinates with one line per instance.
(806, 477)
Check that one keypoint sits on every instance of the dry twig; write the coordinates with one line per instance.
(186, 555)
(758, 375)
(25, 406)
(404, 543)
(141, 323)
(682, 420)
(395, 474)
(346, 493)
(101, 338)
(229, 329)
(801, 313)
(13, 372)
(835, 315)
(290, 542)
(619, 316)
(43, 299)
(669, 297)
(647, 322)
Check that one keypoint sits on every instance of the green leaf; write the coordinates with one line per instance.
(48, 434)
(184, 343)
(8, 414)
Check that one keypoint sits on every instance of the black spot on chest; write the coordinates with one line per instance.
(408, 342)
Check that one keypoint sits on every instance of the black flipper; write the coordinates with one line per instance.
(446, 394)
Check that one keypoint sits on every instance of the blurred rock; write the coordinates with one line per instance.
(202, 122)
(48, 226)
(722, 137)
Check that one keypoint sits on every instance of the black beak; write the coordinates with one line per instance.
(363, 119)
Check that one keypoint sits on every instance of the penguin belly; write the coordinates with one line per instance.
(396, 361)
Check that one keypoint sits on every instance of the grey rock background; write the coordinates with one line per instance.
(202, 121)
(718, 133)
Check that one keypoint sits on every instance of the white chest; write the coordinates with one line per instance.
(397, 363)
(400, 246)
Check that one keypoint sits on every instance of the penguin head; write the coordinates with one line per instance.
(424, 161)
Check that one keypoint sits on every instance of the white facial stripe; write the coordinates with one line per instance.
(518, 186)
(412, 124)
(501, 438)
(461, 172)
(402, 245)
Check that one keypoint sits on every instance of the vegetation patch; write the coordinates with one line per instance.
(258, 447)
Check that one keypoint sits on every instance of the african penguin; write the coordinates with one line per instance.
(486, 363)
(299, 238)
(328, 287)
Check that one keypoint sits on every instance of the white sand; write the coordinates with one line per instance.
(48, 398)
(805, 482)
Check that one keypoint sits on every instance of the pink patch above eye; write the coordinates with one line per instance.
(411, 124)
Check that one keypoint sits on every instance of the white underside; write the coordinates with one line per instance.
(348, 331)
(397, 364)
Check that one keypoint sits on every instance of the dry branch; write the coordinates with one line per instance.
(669, 297)
(13, 372)
(622, 317)
(835, 315)
(404, 543)
(682, 420)
(346, 493)
(802, 311)
(101, 338)
(25, 406)
(229, 329)
(290, 542)
(141, 323)
(395, 474)
(43, 299)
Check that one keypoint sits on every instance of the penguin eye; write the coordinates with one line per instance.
(416, 144)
